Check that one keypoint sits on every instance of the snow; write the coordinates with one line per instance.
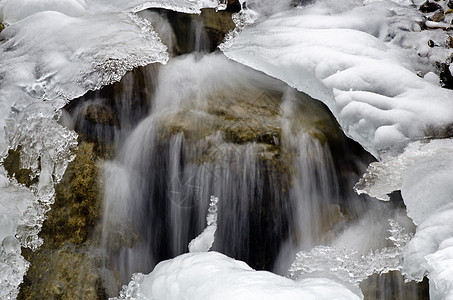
(362, 63)
(212, 275)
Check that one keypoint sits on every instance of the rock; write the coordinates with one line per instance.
(428, 7)
(100, 114)
(391, 286)
(65, 273)
(202, 32)
(446, 78)
(63, 267)
(438, 16)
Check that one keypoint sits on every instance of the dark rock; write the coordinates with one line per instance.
(428, 7)
(445, 76)
(100, 114)
(202, 32)
(391, 286)
(438, 16)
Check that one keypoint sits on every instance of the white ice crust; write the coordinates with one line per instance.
(211, 275)
(361, 60)
(12, 11)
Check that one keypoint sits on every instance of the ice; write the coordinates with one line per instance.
(423, 173)
(14, 200)
(348, 265)
(362, 62)
(211, 275)
(12, 11)
(204, 241)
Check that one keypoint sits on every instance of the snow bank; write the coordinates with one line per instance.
(211, 275)
(362, 63)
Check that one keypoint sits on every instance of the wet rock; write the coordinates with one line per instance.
(428, 7)
(100, 114)
(391, 286)
(12, 166)
(202, 32)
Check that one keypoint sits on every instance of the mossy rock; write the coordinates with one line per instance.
(77, 203)
(64, 273)
(63, 267)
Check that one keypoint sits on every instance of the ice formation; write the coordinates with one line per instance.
(424, 174)
(364, 59)
(14, 10)
(347, 265)
(361, 59)
(204, 241)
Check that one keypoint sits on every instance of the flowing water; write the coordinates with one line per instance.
(202, 125)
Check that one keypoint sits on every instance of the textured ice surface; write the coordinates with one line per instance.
(14, 10)
(347, 265)
(424, 174)
(211, 275)
(46, 60)
(14, 201)
(360, 60)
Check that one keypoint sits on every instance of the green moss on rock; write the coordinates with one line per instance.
(12, 166)
(64, 268)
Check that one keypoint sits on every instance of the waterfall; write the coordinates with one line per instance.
(281, 167)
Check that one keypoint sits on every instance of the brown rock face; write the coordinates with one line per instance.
(63, 267)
